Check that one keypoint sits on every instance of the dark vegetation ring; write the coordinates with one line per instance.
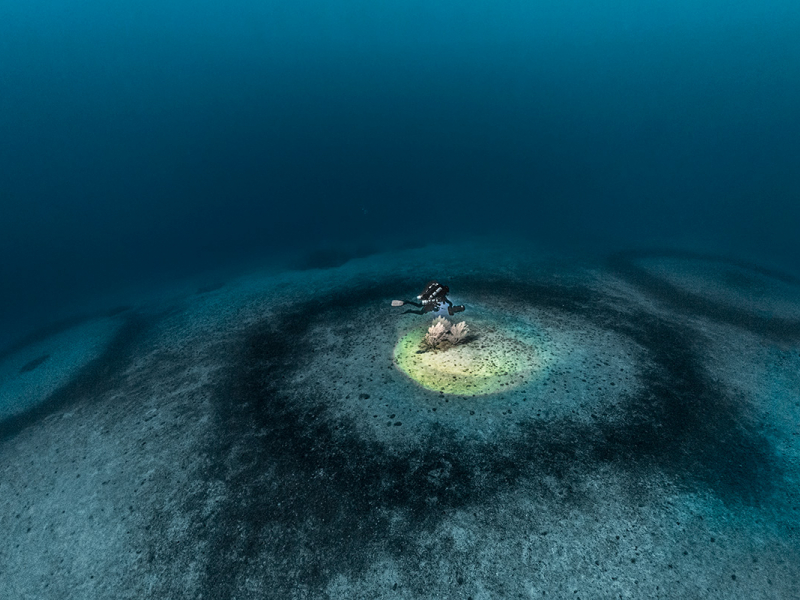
(628, 265)
(291, 472)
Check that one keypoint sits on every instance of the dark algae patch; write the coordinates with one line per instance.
(30, 366)
(211, 287)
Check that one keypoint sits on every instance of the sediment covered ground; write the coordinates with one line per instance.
(623, 429)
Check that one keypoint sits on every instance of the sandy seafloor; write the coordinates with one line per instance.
(257, 439)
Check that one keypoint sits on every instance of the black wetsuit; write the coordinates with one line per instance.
(431, 299)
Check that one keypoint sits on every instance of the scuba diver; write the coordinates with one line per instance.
(430, 300)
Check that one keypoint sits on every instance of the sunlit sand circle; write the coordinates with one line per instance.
(495, 359)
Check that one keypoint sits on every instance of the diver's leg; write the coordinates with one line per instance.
(421, 311)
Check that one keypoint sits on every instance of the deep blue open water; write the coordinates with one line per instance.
(141, 141)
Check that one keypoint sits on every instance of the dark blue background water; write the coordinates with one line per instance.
(140, 142)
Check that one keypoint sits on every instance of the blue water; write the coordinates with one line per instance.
(145, 141)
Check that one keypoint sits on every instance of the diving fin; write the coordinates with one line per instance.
(456, 309)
